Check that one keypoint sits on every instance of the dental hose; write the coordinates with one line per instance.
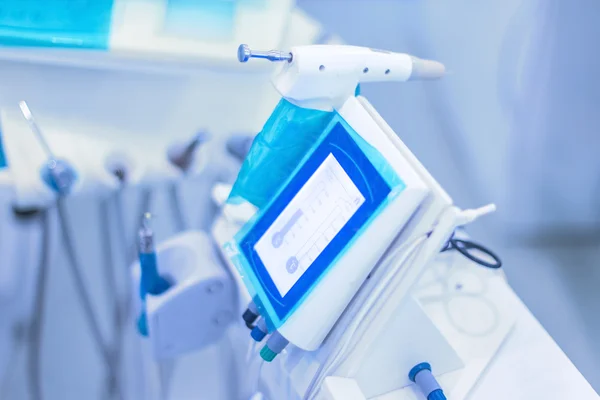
(83, 295)
(118, 320)
(36, 327)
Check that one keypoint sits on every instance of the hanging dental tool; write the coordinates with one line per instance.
(151, 282)
(60, 176)
(121, 169)
(35, 330)
(119, 315)
(182, 155)
(24, 327)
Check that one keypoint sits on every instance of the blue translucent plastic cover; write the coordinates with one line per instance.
(311, 218)
(288, 135)
(56, 23)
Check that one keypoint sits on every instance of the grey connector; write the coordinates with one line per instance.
(422, 376)
(250, 315)
(275, 345)
(59, 174)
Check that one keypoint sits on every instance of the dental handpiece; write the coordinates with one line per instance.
(337, 61)
(58, 174)
(151, 282)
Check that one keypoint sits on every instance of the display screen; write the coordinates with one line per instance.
(310, 221)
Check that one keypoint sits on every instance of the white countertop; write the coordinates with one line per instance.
(530, 365)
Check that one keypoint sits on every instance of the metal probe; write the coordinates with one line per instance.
(244, 54)
(35, 128)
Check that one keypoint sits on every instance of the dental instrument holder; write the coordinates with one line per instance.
(402, 334)
(198, 306)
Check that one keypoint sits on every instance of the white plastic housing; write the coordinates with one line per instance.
(198, 308)
(311, 322)
(324, 76)
(335, 388)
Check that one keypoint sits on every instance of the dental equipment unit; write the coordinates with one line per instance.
(330, 224)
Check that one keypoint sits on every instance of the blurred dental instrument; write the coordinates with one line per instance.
(121, 169)
(35, 331)
(35, 128)
(239, 145)
(151, 282)
(182, 155)
(118, 310)
(60, 176)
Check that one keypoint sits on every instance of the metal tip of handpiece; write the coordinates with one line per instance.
(35, 128)
(25, 109)
(244, 53)
(146, 218)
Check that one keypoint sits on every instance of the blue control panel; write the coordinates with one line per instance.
(312, 220)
